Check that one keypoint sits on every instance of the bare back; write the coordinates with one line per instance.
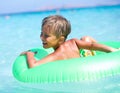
(68, 49)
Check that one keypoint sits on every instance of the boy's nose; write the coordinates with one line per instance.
(42, 38)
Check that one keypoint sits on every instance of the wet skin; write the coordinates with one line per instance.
(68, 49)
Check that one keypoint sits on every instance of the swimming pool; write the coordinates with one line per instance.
(20, 32)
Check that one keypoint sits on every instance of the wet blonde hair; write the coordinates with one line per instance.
(59, 25)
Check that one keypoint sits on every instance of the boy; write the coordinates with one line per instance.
(55, 30)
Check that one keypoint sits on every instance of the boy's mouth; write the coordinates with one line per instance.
(44, 43)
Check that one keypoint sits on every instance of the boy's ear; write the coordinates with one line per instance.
(62, 39)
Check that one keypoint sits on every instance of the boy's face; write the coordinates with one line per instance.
(49, 39)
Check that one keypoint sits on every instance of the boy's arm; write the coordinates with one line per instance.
(93, 46)
(33, 62)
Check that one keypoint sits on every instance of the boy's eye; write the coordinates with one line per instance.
(46, 35)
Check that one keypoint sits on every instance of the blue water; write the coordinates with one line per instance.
(20, 32)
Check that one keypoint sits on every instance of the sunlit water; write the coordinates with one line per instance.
(20, 32)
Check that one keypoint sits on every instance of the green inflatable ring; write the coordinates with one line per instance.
(85, 69)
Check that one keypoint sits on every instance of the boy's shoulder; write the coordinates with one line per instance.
(69, 43)
(73, 40)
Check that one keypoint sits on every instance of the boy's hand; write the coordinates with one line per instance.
(25, 53)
